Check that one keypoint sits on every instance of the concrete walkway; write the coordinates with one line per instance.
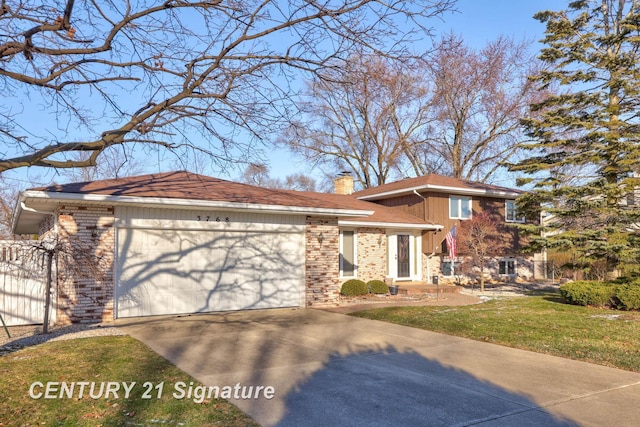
(330, 369)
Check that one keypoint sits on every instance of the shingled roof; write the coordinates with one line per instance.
(186, 189)
(435, 182)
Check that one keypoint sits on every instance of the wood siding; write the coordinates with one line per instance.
(435, 208)
(410, 204)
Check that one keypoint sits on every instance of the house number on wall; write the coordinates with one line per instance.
(218, 218)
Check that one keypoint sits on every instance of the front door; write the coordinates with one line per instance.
(404, 269)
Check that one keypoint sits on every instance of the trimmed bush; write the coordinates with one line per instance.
(595, 294)
(354, 287)
(377, 287)
(628, 296)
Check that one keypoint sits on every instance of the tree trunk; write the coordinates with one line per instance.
(47, 301)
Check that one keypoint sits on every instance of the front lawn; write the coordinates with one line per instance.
(26, 374)
(540, 322)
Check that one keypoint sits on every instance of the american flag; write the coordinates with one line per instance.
(451, 242)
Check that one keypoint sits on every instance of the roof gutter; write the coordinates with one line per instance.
(406, 226)
(22, 206)
(193, 204)
(442, 188)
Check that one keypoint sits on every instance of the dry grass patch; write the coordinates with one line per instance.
(104, 359)
(540, 322)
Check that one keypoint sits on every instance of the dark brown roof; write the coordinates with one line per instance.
(432, 180)
(191, 186)
(381, 213)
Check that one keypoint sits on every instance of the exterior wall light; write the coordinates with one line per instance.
(320, 237)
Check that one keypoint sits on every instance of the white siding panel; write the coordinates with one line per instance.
(22, 284)
(125, 214)
(186, 265)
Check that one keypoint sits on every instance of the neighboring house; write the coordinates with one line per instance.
(179, 242)
(449, 202)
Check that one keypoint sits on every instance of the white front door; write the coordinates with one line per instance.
(405, 260)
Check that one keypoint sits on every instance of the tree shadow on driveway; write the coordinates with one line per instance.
(391, 388)
(329, 369)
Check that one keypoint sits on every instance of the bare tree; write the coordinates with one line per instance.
(478, 100)
(7, 198)
(361, 117)
(455, 112)
(479, 239)
(214, 76)
(114, 162)
(258, 174)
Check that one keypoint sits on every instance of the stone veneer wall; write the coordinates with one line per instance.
(525, 268)
(372, 254)
(85, 264)
(322, 267)
(431, 267)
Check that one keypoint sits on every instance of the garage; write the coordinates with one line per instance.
(209, 266)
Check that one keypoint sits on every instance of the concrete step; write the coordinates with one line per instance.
(426, 289)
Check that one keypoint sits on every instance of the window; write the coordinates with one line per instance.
(348, 253)
(507, 267)
(511, 212)
(459, 207)
(445, 268)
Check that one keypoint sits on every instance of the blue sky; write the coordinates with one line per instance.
(478, 21)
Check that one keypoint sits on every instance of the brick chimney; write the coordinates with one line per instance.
(343, 183)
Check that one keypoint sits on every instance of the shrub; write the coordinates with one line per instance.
(377, 287)
(354, 287)
(629, 296)
(596, 294)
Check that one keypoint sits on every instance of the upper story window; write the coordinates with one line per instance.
(511, 212)
(459, 207)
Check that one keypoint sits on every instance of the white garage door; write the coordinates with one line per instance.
(191, 271)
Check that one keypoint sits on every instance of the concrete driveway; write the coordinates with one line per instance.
(330, 369)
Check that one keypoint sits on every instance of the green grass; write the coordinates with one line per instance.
(539, 322)
(97, 360)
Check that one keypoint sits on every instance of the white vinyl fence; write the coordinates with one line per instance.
(23, 278)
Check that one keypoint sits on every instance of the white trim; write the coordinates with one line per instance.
(444, 189)
(460, 198)
(521, 220)
(448, 259)
(35, 197)
(189, 203)
(506, 260)
(415, 259)
(175, 224)
(405, 226)
(355, 254)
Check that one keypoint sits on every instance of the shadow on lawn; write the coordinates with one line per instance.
(554, 297)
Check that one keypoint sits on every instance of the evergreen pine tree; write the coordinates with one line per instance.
(585, 158)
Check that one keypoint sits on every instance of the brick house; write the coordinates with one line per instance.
(449, 202)
(179, 242)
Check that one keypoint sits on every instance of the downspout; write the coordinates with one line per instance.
(424, 199)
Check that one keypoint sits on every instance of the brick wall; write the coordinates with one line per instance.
(85, 264)
(322, 270)
(372, 254)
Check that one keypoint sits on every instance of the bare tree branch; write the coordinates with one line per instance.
(178, 74)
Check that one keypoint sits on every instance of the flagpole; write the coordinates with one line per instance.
(453, 267)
